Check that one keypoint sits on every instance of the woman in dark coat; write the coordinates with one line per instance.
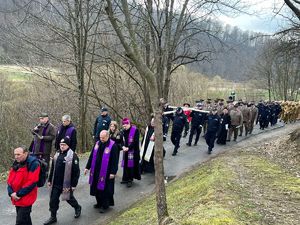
(225, 124)
(116, 135)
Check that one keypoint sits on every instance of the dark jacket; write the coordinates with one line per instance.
(48, 132)
(61, 133)
(22, 179)
(57, 178)
(179, 122)
(118, 139)
(213, 123)
(198, 118)
(101, 123)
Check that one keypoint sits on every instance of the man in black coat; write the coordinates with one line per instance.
(131, 153)
(224, 127)
(213, 124)
(198, 119)
(102, 123)
(103, 166)
(66, 129)
(178, 124)
(63, 179)
(166, 118)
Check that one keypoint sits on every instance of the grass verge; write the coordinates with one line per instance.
(237, 187)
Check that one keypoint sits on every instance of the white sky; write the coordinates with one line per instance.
(264, 19)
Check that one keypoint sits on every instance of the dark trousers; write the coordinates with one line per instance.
(103, 201)
(210, 138)
(128, 174)
(197, 130)
(175, 138)
(23, 215)
(233, 130)
(166, 124)
(186, 128)
(54, 200)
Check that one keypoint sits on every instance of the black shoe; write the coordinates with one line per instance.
(102, 210)
(96, 206)
(51, 220)
(174, 154)
(240, 135)
(77, 212)
(129, 184)
(188, 144)
(209, 151)
(124, 182)
(164, 138)
(195, 144)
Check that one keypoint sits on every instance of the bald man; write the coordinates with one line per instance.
(103, 167)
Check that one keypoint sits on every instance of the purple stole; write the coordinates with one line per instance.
(42, 143)
(130, 163)
(69, 131)
(104, 165)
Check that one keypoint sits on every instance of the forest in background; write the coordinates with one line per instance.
(76, 64)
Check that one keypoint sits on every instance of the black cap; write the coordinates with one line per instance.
(43, 115)
(65, 140)
(187, 104)
(178, 109)
(104, 109)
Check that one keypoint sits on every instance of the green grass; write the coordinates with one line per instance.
(224, 191)
(14, 73)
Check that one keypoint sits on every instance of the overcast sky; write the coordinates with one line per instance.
(264, 19)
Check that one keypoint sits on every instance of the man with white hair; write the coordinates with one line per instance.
(66, 129)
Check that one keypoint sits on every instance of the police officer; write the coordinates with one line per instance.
(102, 123)
(198, 119)
(166, 118)
(213, 125)
(178, 125)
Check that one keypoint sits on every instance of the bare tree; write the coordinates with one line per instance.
(158, 37)
(59, 38)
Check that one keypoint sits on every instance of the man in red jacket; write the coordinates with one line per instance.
(22, 184)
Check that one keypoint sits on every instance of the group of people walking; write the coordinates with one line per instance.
(215, 119)
(64, 171)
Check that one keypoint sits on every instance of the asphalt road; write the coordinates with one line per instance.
(124, 197)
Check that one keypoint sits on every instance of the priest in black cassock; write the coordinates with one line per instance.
(131, 153)
(103, 166)
(147, 149)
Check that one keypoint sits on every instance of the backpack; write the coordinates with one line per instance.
(43, 172)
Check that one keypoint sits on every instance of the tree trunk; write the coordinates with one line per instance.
(161, 199)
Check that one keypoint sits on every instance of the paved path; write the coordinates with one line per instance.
(124, 197)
